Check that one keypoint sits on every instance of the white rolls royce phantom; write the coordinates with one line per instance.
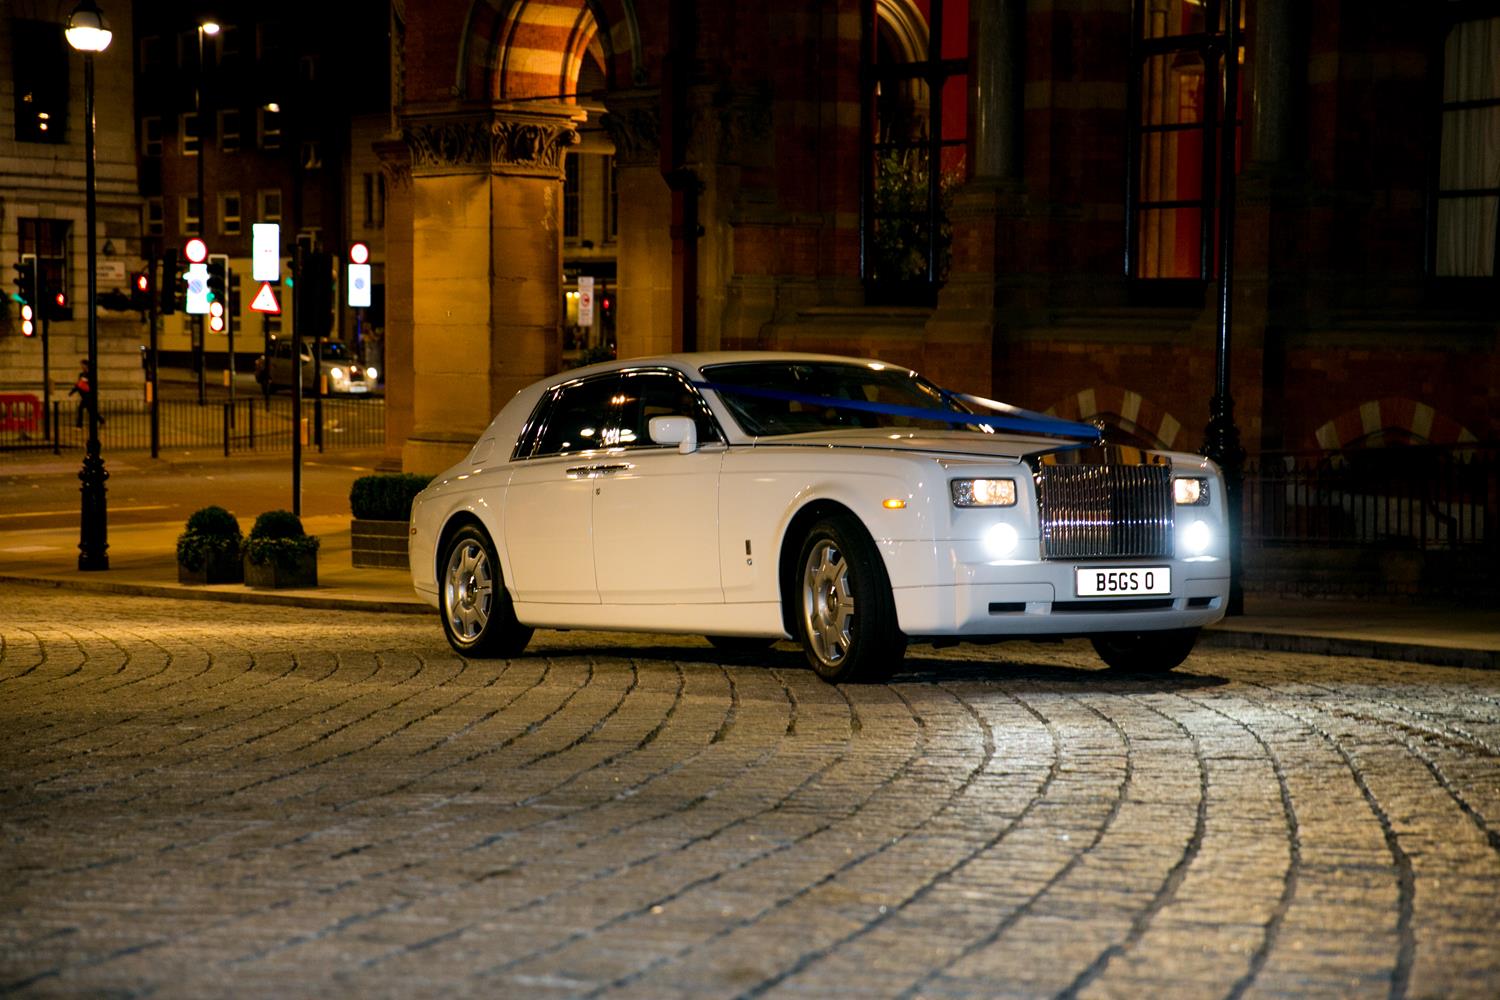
(848, 504)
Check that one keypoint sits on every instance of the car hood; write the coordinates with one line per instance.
(958, 444)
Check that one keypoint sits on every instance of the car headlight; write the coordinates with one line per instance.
(1189, 492)
(337, 374)
(371, 373)
(1197, 537)
(1000, 540)
(983, 492)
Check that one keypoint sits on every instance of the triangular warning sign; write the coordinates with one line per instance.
(265, 300)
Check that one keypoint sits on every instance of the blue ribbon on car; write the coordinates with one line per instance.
(1013, 419)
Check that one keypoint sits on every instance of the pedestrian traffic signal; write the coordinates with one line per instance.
(56, 304)
(140, 291)
(25, 292)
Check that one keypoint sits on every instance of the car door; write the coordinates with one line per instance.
(549, 528)
(656, 524)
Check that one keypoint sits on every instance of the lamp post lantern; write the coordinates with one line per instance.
(200, 346)
(88, 33)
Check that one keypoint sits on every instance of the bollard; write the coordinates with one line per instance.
(227, 418)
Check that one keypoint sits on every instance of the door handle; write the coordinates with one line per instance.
(594, 471)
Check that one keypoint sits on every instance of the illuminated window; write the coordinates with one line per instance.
(1177, 107)
(1468, 187)
(39, 64)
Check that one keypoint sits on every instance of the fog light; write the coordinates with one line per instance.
(1000, 540)
(1197, 538)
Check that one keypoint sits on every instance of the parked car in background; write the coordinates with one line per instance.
(851, 505)
(342, 373)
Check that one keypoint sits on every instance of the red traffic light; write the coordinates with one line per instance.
(61, 298)
(142, 283)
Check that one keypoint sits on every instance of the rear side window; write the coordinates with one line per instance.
(579, 417)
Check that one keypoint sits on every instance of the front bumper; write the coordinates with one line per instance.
(974, 597)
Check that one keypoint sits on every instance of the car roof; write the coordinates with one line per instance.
(698, 360)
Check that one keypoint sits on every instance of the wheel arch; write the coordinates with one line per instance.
(457, 520)
(791, 547)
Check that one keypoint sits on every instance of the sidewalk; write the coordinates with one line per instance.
(142, 559)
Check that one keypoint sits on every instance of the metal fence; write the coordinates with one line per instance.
(247, 425)
(1416, 497)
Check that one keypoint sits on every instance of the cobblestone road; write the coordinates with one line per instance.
(200, 799)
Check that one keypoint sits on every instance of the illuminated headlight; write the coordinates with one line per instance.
(337, 374)
(1000, 541)
(371, 373)
(1196, 538)
(983, 492)
(1190, 492)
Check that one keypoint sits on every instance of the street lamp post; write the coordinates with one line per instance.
(200, 362)
(88, 33)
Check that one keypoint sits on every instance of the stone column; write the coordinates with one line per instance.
(396, 362)
(486, 268)
(643, 324)
(964, 345)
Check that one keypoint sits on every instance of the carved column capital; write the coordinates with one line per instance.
(495, 140)
(395, 162)
(634, 125)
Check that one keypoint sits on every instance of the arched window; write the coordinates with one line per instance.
(915, 135)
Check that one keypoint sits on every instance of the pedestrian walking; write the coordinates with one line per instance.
(83, 388)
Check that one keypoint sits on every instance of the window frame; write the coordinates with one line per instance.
(534, 431)
(230, 215)
(40, 68)
(1210, 47)
(1477, 289)
(49, 241)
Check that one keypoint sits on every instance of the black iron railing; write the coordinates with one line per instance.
(1421, 497)
(247, 425)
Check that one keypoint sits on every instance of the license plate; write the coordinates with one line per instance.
(1123, 581)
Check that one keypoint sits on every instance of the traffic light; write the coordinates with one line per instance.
(28, 320)
(216, 317)
(170, 282)
(25, 292)
(314, 302)
(218, 278)
(140, 291)
(55, 301)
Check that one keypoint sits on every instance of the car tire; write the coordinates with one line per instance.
(478, 617)
(1145, 652)
(845, 615)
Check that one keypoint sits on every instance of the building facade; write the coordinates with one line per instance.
(1021, 197)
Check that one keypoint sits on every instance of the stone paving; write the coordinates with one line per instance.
(200, 799)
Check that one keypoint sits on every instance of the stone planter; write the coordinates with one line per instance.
(271, 574)
(218, 567)
(378, 544)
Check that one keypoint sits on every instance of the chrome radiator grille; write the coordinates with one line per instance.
(1105, 511)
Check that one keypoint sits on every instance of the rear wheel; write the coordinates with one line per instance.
(1145, 652)
(478, 618)
(846, 619)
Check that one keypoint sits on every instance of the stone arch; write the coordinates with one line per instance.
(1372, 422)
(532, 49)
(1125, 409)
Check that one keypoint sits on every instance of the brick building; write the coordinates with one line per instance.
(1019, 197)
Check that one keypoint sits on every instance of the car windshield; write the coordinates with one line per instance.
(333, 350)
(769, 398)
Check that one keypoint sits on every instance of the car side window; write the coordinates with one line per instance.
(580, 418)
(660, 394)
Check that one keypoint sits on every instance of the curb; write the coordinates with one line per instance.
(285, 598)
(1366, 649)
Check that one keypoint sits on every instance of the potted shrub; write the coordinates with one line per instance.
(381, 506)
(279, 553)
(209, 550)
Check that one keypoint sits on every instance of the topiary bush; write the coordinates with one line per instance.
(211, 531)
(385, 497)
(278, 537)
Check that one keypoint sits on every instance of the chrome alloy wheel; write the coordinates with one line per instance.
(468, 590)
(827, 602)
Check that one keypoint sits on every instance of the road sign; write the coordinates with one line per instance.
(265, 251)
(585, 300)
(359, 286)
(265, 300)
(197, 289)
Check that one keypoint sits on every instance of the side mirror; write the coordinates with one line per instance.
(680, 431)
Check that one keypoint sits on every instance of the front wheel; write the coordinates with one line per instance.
(478, 618)
(846, 618)
(1145, 652)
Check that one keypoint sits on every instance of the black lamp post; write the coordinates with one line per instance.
(88, 33)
